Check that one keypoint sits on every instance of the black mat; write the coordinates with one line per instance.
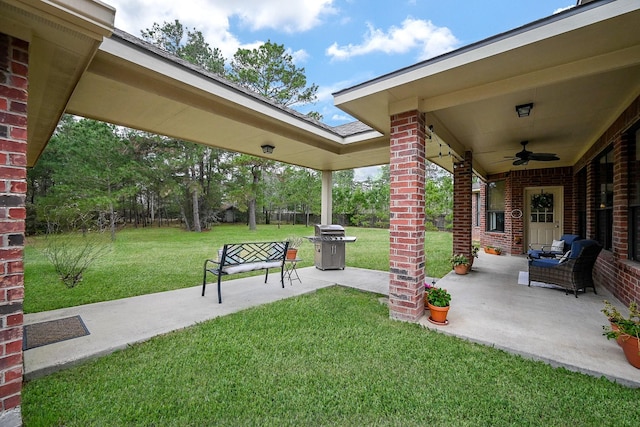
(43, 333)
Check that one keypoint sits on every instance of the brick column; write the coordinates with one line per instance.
(13, 186)
(462, 211)
(406, 257)
(620, 241)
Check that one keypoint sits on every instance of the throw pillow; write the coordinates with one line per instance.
(557, 246)
(564, 257)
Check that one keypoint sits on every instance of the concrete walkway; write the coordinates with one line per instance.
(537, 323)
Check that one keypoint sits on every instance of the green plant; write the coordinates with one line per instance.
(494, 248)
(439, 297)
(294, 241)
(71, 255)
(625, 325)
(474, 250)
(459, 259)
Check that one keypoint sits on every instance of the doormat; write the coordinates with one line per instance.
(523, 279)
(43, 333)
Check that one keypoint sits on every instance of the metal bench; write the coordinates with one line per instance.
(236, 258)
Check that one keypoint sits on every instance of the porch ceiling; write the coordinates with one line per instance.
(580, 69)
(141, 87)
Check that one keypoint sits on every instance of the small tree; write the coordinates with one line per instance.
(72, 254)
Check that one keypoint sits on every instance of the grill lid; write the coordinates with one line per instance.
(330, 229)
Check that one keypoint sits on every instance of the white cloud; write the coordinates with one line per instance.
(342, 118)
(284, 15)
(299, 56)
(211, 17)
(412, 34)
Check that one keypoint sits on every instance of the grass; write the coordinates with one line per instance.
(148, 260)
(328, 358)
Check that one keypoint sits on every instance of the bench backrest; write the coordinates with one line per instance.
(244, 253)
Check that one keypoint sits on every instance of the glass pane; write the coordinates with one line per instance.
(496, 196)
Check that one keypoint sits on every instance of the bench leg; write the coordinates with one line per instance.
(282, 276)
(266, 276)
(204, 281)
(219, 290)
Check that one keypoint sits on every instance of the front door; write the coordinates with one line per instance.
(544, 209)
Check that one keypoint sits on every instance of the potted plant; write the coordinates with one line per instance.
(460, 263)
(614, 316)
(294, 244)
(474, 253)
(626, 330)
(438, 303)
(427, 287)
(493, 250)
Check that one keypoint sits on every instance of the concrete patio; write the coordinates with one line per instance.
(488, 307)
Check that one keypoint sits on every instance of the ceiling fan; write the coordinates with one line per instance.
(523, 157)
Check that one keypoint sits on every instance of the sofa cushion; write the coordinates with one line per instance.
(557, 246)
(578, 245)
(544, 262)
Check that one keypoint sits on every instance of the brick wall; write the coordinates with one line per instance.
(512, 241)
(406, 233)
(462, 209)
(13, 186)
(614, 270)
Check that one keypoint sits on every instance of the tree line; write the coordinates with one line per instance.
(94, 174)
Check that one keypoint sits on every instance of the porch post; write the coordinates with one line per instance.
(406, 257)
(14, 62)
(620, 236)
(326, 201)
(462, 210)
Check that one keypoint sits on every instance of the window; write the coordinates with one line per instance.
(634, 196)
(604, 199)
(495, 206)
(477, 206)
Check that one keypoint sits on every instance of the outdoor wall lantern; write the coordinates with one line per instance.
(267, 149)
(524, 110)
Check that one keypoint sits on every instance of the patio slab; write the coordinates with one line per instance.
(489, 306)
(537, 323)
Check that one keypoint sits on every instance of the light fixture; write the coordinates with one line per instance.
(524, 110)
(267, 149)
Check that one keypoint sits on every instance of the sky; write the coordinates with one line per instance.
(340, 43)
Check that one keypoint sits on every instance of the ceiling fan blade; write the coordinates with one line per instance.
(520, 162)
(543, 157)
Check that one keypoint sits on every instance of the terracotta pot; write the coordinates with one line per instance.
(631, 348)
(461, 269)
(491, 251)
(292, 253)
(438, 314)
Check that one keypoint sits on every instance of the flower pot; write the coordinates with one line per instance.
(631, 348)
(292, 253)
(438, 314)
(492, 251)
(615, 328)
(461, 268)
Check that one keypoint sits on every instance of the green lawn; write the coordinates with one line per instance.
(331, 358)
(147, 260)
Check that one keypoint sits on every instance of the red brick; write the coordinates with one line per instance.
(19, 133)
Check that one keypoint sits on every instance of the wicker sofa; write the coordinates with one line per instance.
(572, 273)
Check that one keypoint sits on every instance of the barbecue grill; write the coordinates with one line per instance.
(330, 246)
